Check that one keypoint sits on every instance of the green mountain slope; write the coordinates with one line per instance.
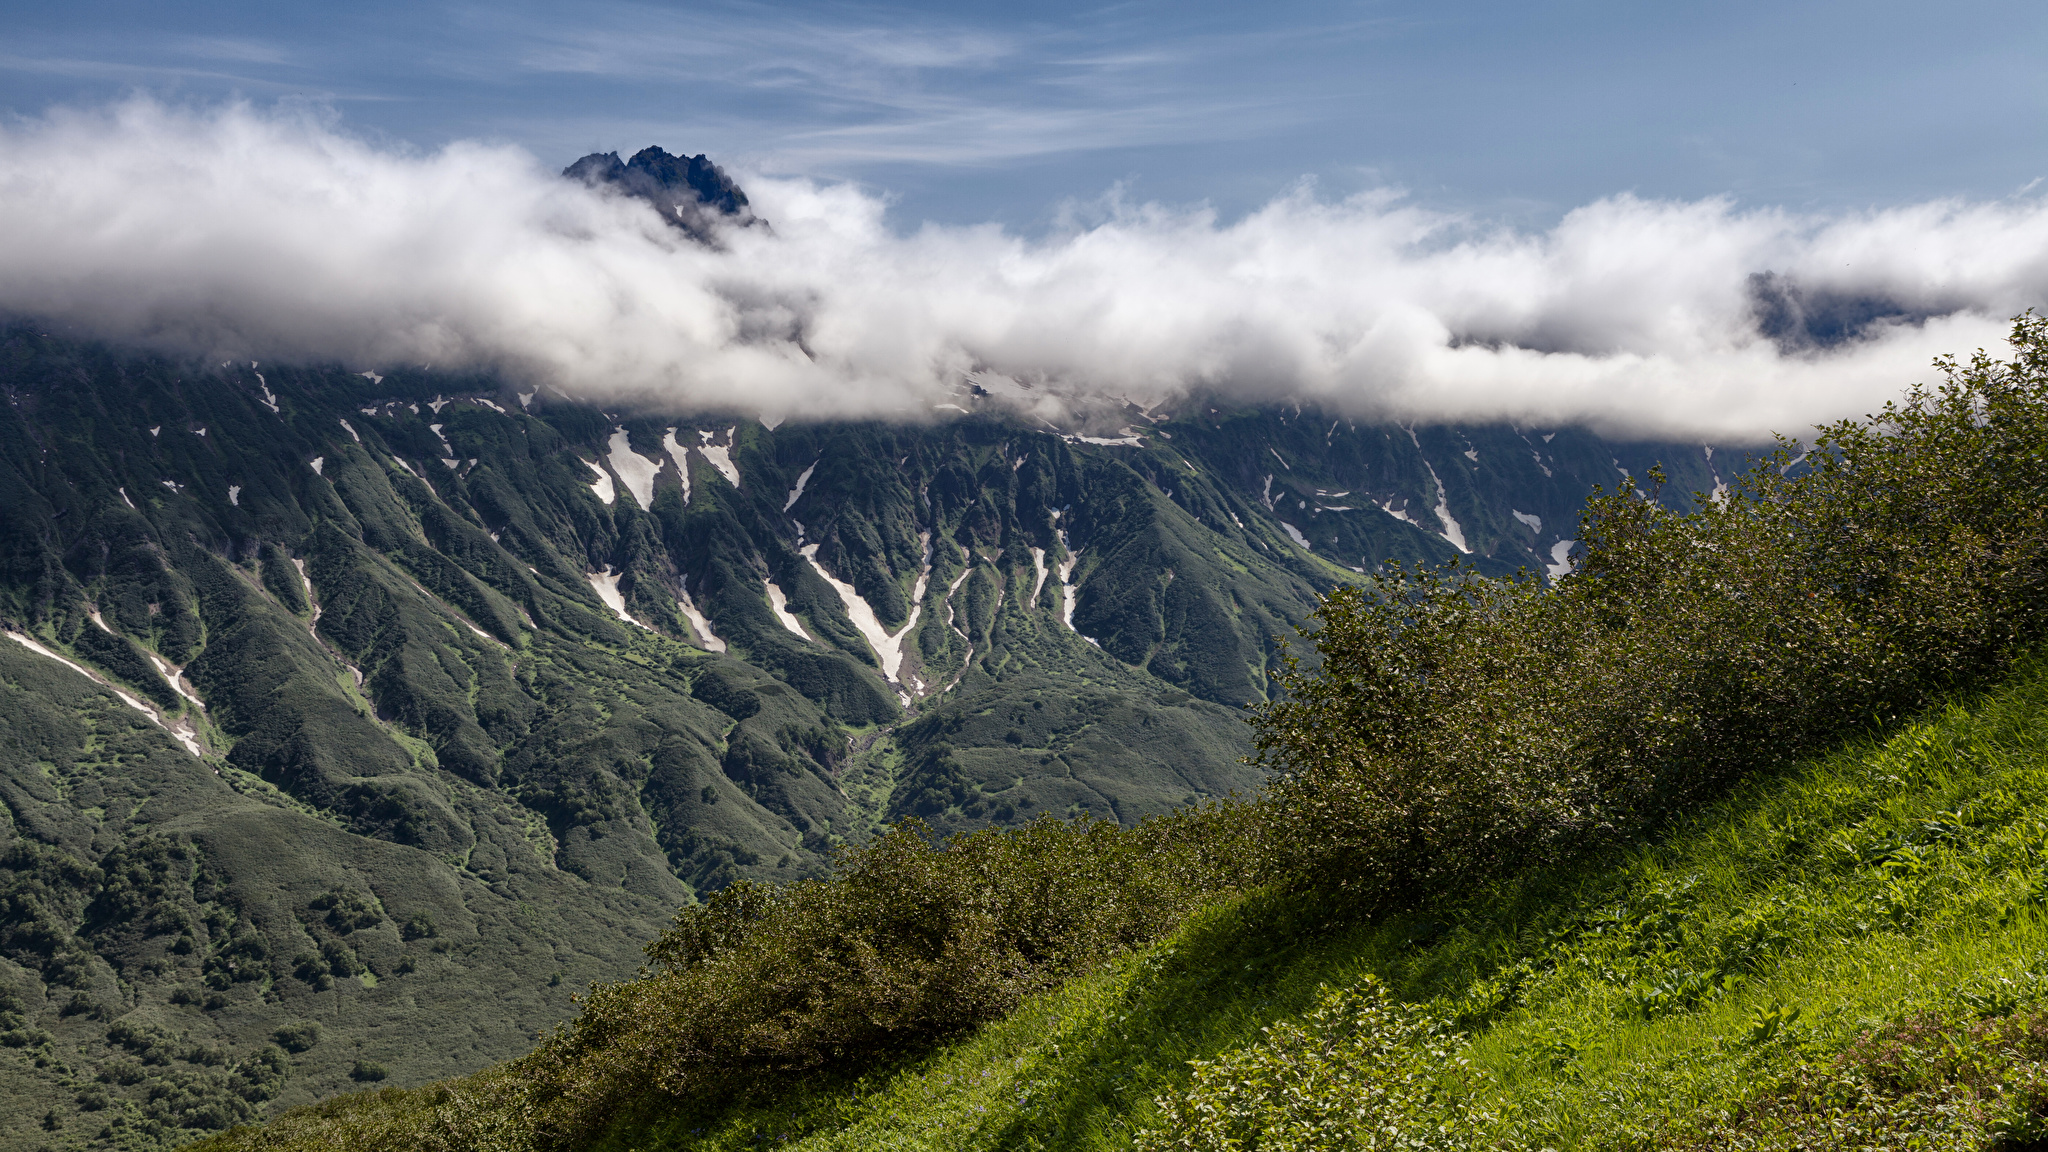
(1846, 955)
(445, 694)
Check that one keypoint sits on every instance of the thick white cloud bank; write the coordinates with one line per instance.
(274, 235)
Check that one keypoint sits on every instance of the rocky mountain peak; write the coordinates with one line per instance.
(690, 192)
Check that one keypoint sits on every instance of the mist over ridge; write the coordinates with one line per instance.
(235, 231)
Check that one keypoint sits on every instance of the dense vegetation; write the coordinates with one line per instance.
(1458, 737)
(1844, 955)
(436, 782)
(1453, 729)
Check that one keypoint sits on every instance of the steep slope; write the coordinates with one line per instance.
(424, 698)
(1846, 956)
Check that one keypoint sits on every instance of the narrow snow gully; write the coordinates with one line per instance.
(183, 732)
(710, 640)
(680, 453)
(602, 485)
(797, 492)
(780, 603)
(888, 646)
(606, 584)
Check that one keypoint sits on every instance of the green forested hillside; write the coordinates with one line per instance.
(444, 694)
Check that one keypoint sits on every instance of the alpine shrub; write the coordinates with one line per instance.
(1456, 728)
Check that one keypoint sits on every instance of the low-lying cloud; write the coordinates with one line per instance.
(274, 234)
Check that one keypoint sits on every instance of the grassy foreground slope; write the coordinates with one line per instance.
(1850, 953)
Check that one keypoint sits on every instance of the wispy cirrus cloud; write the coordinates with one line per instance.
(863, 86)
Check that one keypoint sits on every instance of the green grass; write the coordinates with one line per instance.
(1624, 1000)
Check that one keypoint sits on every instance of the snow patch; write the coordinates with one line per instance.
(708, 640)
(1539, 460)
(235, 495)
(635, 470)
(437, 403)
(182, 734)
(1295, 534)
(1451, 532)
(319, 464)
(372, 377)
(797, 492)
(1282, 459)
(606, 583)
(1560, 559)
(1128, 440)
(888, 646)
(526, 398)
(351, 431)
(131, 503)
(1038, 565)
(720, 455)
(493, 406)
(175, 677)
(1534, 521)
(603, 484)
(681, 455)
(780, 603)
(446, 448)
(269, 398)
(1066, 571)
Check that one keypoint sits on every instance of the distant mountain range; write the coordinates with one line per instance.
(346, 707)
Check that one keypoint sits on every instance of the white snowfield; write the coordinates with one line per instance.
(680, 453)
(711, 642)
(888, 646)
(1452, 532)
(780, 603)
(635, 470)
(720, 455)
(1560, 559)
(1066, 571)
(606, 583)
(602, 486)
(797, 492)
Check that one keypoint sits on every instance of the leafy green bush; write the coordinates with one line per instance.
(910, 942)
(1359, 1073)
(1457, 728)
(298, 1037)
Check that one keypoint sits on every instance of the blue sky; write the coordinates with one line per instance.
(980, 111)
